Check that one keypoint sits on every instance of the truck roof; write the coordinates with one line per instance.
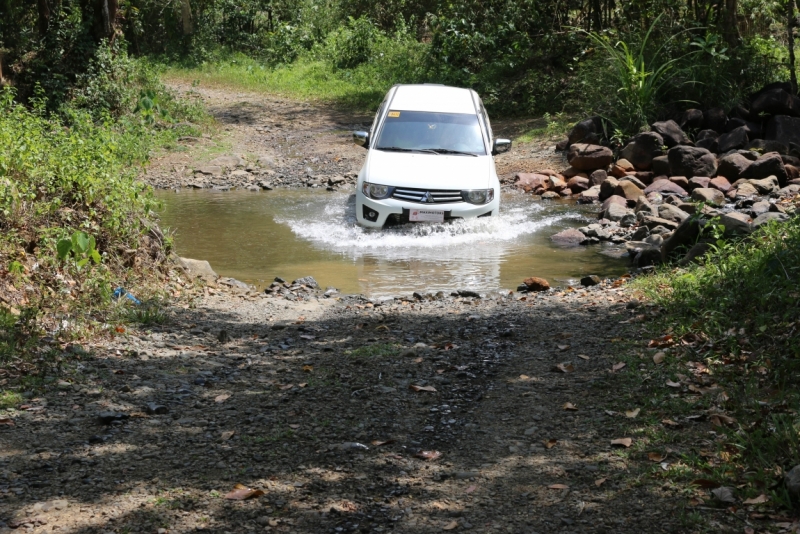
(433, 98)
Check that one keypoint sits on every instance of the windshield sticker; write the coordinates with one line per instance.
(394, 114)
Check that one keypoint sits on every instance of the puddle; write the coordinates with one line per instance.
(254, 237)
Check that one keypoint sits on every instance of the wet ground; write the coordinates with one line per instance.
(255, 237)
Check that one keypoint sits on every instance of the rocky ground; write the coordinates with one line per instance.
(495, 414)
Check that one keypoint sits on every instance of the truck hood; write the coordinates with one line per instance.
(428, 171)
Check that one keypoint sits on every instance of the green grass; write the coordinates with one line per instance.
(733, 346)
(9, 399)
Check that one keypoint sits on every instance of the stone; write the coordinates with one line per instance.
(745, 190)
(241, 175)
(614, 199)
(586, 157)
(710, 196)
(758, 208)
(196, 268)
(644, 207)
(698, 181)
(706, 134)
(567, 173)
(229, 162)
(653, 222)
(556, 183)
(106, 418)
(568, 238)
(597, 177)
(709, 143)
(720, 183)
(692, 119)
(789, 190)
(628, 190)
(672, 213)
(681, 181)
(792, 480)
(589, 196)
(642, 148)
(578, 184)
(764, 218)
(769, 164)
(783, 129)
(548, 195)
(627, 220)
(591, 280)
(608, 187)
(660, 166)
(634, 180)
(616, 213)
(775, 102)
(671, 133)
(736, 223)
(732, 166)
(766, 186)
(691, 161)
(665, 187)
(733, 140)
(536, 284)
(715, 119)
(307, 281)
(695, 253)
(153, 408)
(211, 170)
(266, 162)
(683, 237)
(586, 131)
(625, 165)
(528, 181)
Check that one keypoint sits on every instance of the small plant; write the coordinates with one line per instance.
(83, 248)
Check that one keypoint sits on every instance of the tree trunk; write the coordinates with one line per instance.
(44, 16)
(186, 16)
(790, 23)
(730, 26)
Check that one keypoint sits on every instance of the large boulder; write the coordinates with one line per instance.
(714, 197)
(528, 181)
(698, 181)
(628, 190)
(671, 133)
(672, 213)
(733, 140)
(586, 157)
(641, 150)
(684, 236)
(578, 184)
(660, 166)
(736, 223)
(744, 190)
(692, 119)
(589, 196)
(783, 129)
(732, 166)
(766, 186)
(568, 238)
(720, 183)
(586, 131)
(764, 218)
(769, 164)
(608, 187)
(196, 268)
(597, 177)
(229, 162)
(617, 213)
(775, 102)
(691, 161)
(665, 187)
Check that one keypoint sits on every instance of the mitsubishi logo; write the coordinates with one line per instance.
(427, 198)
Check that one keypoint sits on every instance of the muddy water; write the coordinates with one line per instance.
(254, 237)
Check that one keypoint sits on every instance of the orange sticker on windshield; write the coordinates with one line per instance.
(394, 114)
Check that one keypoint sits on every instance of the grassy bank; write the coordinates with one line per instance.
(75, 224)
(717, 381)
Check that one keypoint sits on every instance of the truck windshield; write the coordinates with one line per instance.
(438, 132)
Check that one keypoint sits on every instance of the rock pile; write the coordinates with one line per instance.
(742, 168)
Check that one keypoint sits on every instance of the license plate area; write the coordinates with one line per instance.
(420, 215)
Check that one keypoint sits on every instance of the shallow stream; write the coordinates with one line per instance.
(255, 237)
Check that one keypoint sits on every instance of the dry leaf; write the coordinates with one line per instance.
(7, 421)
(569, 406)
(618, 366)
(655, 456)
(669, 422)
(378, 443)
(222, 398)
(228, 434)
(631, 414)
(302, 384)
(696, 501)
(308, 368)
(428, 455)
(761, 499)
(719, 419)
(241, 493)
(287, 386)
(665, 341)
(672, 384)
(471, 489)
(724, 494)
(599, 482)
(583, 357)
(524, 377)
(625, 442)
(563, 347)
(749, 530)
(564, 368)
(429, 389)
(550, 443)
(417, 360)
(294, 427)
(558, 486)
(658, 357)
(450, 526)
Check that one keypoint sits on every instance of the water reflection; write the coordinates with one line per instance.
(257, 236)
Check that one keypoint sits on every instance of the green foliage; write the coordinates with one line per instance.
(82, 247)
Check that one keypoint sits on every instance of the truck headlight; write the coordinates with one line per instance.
(479, 196)
(376, 191)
